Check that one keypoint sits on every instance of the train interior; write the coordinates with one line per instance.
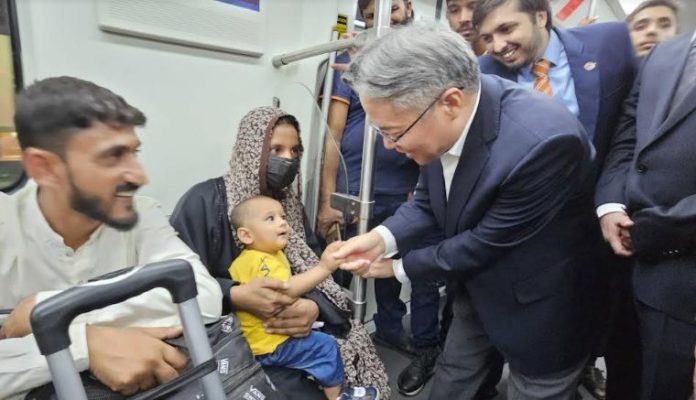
(195, 75)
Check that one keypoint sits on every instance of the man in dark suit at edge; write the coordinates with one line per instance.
(646, 199)
(506, 175)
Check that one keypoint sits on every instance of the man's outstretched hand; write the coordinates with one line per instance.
(383, 268)
(364, 256)
(356, 251)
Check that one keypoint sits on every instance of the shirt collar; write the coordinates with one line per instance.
(456, 149)
(554, 50)
(36, 217)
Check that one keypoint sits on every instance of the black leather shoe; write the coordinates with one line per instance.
(414, 377)
(402, 344)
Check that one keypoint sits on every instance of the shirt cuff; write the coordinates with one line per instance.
(41, 296)
(389, 241)
(399, 272)
(607, 208)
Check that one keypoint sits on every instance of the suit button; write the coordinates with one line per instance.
(641, 168)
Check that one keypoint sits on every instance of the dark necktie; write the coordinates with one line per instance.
(687, 82)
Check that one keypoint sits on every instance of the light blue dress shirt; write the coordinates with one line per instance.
(561, 78)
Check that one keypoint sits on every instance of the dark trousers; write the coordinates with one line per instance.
(622, 350)
(668, 355)
(391, 310)
(468, 357)
(497, 362)
(425, 297)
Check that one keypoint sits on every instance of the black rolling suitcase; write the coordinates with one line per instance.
(220, 347)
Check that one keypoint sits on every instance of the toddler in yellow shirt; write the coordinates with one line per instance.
(261, 227)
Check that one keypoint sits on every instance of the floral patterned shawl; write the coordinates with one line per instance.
(247, 178)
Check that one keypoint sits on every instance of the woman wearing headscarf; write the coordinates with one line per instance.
(265, 161)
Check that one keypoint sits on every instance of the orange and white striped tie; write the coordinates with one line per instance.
(540, 70)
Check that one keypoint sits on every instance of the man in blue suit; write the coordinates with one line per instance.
(649, 175)
(506, 176)
(590, 70)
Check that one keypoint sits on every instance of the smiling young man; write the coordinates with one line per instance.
(76, 219)
(653, 21)
(590, 71)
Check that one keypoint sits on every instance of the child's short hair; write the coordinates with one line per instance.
(240, 213)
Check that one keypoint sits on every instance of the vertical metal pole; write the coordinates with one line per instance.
(382, 16)
(311, 197)
(382, 21)
(438, 10)
(66, 379)
(593, 8)
(197, 340)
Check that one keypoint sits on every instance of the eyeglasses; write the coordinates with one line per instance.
(397, 137)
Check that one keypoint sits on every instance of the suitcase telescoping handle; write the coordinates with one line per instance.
(51, 318)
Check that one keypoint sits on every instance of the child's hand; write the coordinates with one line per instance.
(382, 268)
(327, 259)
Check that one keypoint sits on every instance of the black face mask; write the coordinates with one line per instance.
(281, 172)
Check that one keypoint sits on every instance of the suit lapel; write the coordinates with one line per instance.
(507, 74)
(436, 189)
(475, 152)
(585, 73)
(670, 114)
(679, 111)
(473, 158)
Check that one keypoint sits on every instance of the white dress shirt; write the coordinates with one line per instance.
(449, 160)
(35, 260)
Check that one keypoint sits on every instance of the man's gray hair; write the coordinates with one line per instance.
(411, 65)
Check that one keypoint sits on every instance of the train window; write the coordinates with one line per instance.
(11, 170)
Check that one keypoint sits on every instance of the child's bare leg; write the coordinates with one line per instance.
(333, 392)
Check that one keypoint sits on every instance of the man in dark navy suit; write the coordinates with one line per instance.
(589, 70)
(506, 176)
(648, 180)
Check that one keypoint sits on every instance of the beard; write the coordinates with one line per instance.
(529, 50)
(93, 207)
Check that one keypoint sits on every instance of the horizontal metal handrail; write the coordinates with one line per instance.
(336, 45)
